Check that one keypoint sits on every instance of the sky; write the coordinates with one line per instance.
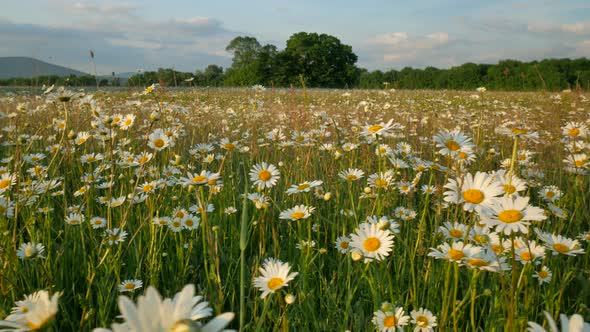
(128, 36)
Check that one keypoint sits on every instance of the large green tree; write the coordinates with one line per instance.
(322, 60)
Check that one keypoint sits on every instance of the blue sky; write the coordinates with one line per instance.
(133, 35)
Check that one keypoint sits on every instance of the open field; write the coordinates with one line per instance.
(473, 206)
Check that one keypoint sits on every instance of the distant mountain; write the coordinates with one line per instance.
(29, 67)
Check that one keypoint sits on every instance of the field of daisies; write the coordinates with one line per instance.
(304, 210)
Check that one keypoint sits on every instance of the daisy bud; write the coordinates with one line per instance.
(289, 298)
(487, 292)
(107, 119)
(356, 255)
(327, 196)
(72, 135)
(323, 251)
(281, 164)
(155, 116)
(367, 190)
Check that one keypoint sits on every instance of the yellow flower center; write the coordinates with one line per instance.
(30, 252)
(4, 183)
(543, 274)
(351, 177)
(456, 233)
(189, 223)
(113, 237)
(497, 248)
(158, 142)
(550, 194)
(462, 155)
(147, 188)
(371, 244)
(297, 215)
(389, 321)
(129, 285)
(179, 214)
(510, 189)
(574, 132)
(473, 196)
(526, 256)
(561, 248)
(303, 186)
(510, 216)
(275, 283)
(199, 178)
(98, 222)
(519, 131)
(452, 145)
(478, 262)
(128, 122)
(579, 163)
(344, 244)
(230, 146)
(176, 223)
(264, 175)
(481, 239)
(381, 183)
(143, 160)
(456, 254)
(375, 129)
(422, 321)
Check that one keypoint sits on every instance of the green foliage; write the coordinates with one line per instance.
(509, 75)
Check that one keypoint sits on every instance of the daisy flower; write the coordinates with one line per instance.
(264, 175)
(158, 140)
(530, 253)
(511, 215)
(130, 285)
(297, 212)
(574, 130)
(352, 174)
(115, 235)
(560, 245)
(452, 142)
(274, 276)
(550, 193)
(424, 320)
(454, 230)
(74, 218)
(127, 121)
(30, 250)
(387, 321)
(457, 252)
(342, 244)
(98, 222)
(574, 324)
(6, 181)
(175, 225)
(34, 312)
(373, 242)
(152, 313)
(380, 180)
(476, 192)
(303, 187)
(544, 275)
(382, 128)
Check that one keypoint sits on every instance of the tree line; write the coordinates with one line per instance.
(322, 61)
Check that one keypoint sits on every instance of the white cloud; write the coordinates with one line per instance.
(391, 39)
(578, 28)
(439, 37)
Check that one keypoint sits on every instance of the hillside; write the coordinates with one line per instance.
(29, 67)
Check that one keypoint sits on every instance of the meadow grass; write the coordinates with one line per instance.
(317, 134)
